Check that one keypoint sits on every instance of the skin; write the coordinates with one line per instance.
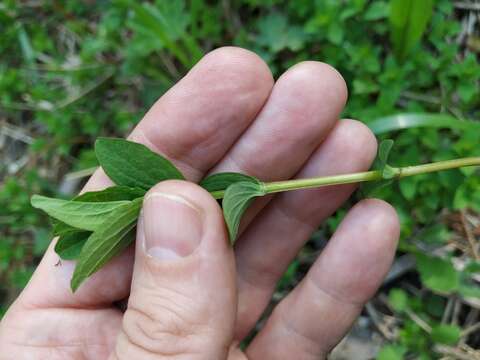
(226, 114)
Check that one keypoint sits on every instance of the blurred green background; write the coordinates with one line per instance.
(74, 70)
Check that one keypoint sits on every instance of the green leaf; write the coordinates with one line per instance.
(469, 290)
(446, 334)
(435, 234)
(79, 214)
(389, 172)
(221, 181)
(398, 299)
(408, 187)
(69, 246)
(372, 188)
(384, 149)
(113, 193)
(376, 11)
(392, 352)
(131, 164)
(236, 200)
(113, 236)
(438, 274)
(277, 34)
(473, 266)
(61, 229)
(408, 21)
(419, 120)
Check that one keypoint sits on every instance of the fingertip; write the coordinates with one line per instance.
(378, 216)
(361, 251)
(240, 66)
(360, 138)
(214, 239)
(321, 78)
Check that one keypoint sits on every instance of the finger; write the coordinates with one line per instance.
(287, 222)
(183, 295)
(198, 120)
(312, 319)
(304, 105)
(193, 124)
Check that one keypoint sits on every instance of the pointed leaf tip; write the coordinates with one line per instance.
(113, 236)
(78, 214)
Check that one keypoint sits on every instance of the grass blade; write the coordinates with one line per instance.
(418, 120)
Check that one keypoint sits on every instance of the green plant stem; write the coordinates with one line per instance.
(400, 172)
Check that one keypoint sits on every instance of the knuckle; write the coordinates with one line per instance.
(165, 327)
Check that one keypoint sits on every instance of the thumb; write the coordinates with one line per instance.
(183, 297)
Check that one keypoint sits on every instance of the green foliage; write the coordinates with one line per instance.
(392, 352)
(446, 334)
(131, 164)
(237, 199)
(221, 181)
(276, 34)
(69, 246)
(408, 21)
(107, 241)
(78, 214)
(398, 300)
(438, 274)
(383, 153)
(112, 193)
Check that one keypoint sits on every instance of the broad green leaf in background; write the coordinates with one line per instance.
(69, 246)
(408, 21)
(391, 352)
(164, 25)
(132, 164)
(236, 200)
(408, 187)
(79, 214)
(115, 234)
(221, 181)
(435, 234)
(376, 11)
(277, 34)
(416, 120)
(446, 334)
(473, 266)
(438, 274)
(398, 299)
(469, 290)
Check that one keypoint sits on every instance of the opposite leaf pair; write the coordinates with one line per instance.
(96, 226)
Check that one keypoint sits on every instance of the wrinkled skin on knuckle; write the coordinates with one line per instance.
(164, 328)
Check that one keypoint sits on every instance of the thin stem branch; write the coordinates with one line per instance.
(374, 175)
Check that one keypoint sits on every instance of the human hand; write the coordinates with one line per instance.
(192, 296)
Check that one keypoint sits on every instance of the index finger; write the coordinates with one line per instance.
(193, 124)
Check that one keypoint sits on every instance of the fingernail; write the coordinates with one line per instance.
(172, 226)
